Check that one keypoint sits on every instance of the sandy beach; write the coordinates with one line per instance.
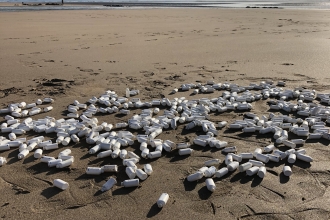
(75, 55)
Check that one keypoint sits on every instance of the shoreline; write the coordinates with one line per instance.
(142, 5)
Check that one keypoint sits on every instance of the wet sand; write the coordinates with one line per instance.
(75, 55)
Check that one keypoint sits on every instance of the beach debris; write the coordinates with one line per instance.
(212, 162)
(262, 172)
(130, 183)
(94, 170)
(61, 184)
(4, 147)
(148, 169)
(195, 176)
(110, 168)
(233, 166)
(130, 93)
(221, 172)
(253, 170)
(66, 161)
(3, 161)
(161, 202)
(81, 124)
(210, 184)
(210, 171)
(186, 151)
(46, 159)
(287, 171)
(301, 156)
(245, 166)
(53, 163)
(109, 184)
(23, 154)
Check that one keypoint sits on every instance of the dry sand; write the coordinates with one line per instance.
(155, 50)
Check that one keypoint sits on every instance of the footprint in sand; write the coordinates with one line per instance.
(132, 79)
(147, 73)
(113, 74)
(6, 92)
(94, 74)
(228, 70)
(85, 70)
(174, 78)
(114, 44)
(11, 38)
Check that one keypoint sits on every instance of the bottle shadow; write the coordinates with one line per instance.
(50, 192)
(154, 210)
(204, 193)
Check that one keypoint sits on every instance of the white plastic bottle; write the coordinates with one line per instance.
(45, 159)
(287, 171)
(141, 174)
(212, 162)
(195, 176)
(109, 184)
(252, 171)
(210, 171)
(64, 163)
(130, 172)
(220, 173)
(162, 200)
(262, 172)
(130, 183)
(2, 161)
(94, 170)
(127, 93)
(53, 163)
(110, 168)
(245, 166)
(233, 166)
(23, 154)
(38, 153)
(148, 169)
(61, 184)
(210, 184)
